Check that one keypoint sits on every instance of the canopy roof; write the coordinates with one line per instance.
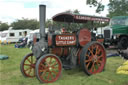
(120, 17)
(78, 18)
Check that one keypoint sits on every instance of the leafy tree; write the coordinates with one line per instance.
(116, 7)
(95, 3)
(76, 11)
(25, 24)
(3, 26)
(48, 23)
(68, 11)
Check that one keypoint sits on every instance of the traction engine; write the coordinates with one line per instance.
(55, 52)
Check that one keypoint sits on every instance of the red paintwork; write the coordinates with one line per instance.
(34, 39)
(65, 40)
(50, 73)
(78, 18)
(84, 37)
(49, 40)
(100, 40)
(60, 51)
(96, 60)
(79, 52)
(66, 51)
(57, 51)
(91, 18)
(29, 66)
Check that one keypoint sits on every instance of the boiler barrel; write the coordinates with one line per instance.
(60, 51)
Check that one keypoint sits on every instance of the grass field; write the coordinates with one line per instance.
(10, 71)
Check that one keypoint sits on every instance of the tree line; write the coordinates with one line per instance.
(115, 8)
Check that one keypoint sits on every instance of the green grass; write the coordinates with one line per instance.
(10, 71)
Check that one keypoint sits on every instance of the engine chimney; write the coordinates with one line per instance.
(40, 47)
(42, 16)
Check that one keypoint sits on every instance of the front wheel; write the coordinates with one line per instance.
(27, 65)
(93, 58)
(48, 68)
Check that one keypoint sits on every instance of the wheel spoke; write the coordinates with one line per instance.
(97, 49)
(27, 64)
(92, 47)
(54, 63)
(43, 70)
(50, 60)
(48, 76)
(99, 61)
(51, 75)
(54, 72)
(91, 52)
(30, 71)
(88, 60)
(55, 67)
(97, 64)
(87, 55)
(88, 64)
(29, 61)
(27, 69)
(92, 67)
(99, 57)
(43, 65)
(44, 74)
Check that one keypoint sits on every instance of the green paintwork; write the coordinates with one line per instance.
(121, 27)
(118, 29)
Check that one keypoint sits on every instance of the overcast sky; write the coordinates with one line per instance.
(11, 10)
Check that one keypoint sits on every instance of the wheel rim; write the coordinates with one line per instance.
(29, 65)
(49, 69)
(95, 58)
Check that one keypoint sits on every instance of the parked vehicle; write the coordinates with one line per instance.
(34, 33)
(13, 35)
(0, 36)
(31, 36)
(66, 50)
(117, 32)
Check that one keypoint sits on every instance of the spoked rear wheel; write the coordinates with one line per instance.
(48, 68)
(93, 58)
(27, 65)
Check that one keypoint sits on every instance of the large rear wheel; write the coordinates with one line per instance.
(93, 58)
(48, 68)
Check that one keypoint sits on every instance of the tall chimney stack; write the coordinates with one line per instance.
(42, 17)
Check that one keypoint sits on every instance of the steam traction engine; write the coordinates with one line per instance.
(66, 50)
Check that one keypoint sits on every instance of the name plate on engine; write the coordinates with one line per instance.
(65, 40)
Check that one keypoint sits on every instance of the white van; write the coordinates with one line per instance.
(13, 35)
(35, 33)
(0, 36)
(31, 35)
